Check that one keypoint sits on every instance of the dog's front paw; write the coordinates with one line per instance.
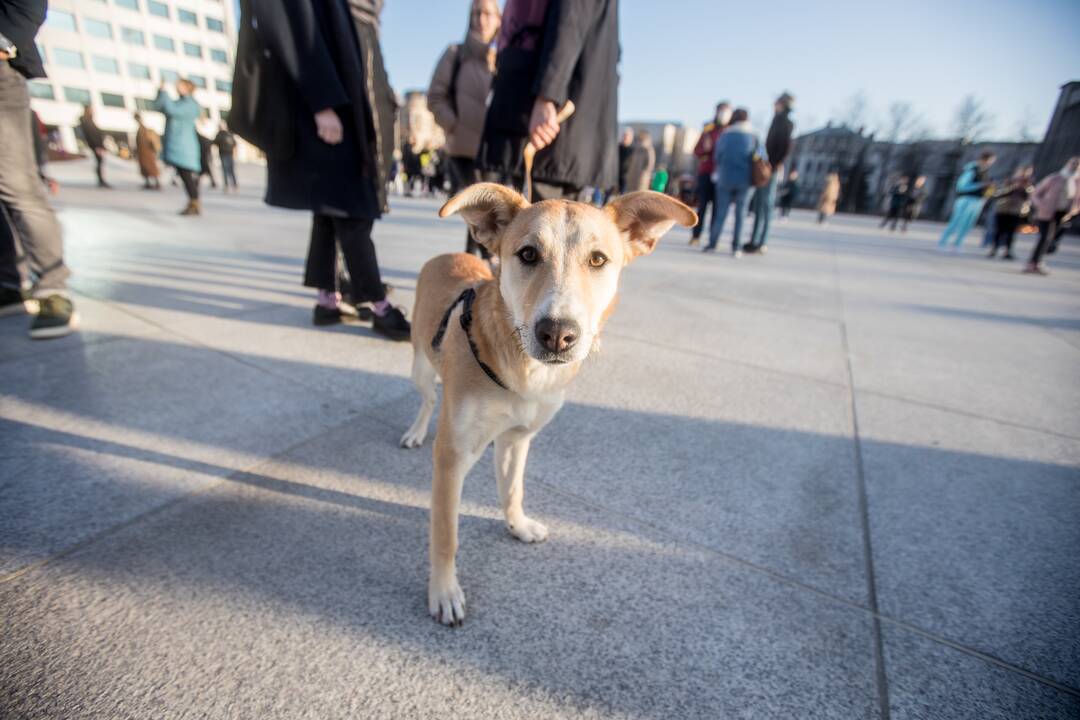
(527, 530)
(413, 438)
(446, 601)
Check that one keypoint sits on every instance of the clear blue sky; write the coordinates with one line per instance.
(680, 56)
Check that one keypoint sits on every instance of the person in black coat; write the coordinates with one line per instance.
(310, 89)
(778, 146)
(95, 140)
(551, 51)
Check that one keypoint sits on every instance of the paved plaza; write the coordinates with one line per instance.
(837, 481)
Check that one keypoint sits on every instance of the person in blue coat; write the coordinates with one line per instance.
(734, 149)
(970, 196)
(180, 143)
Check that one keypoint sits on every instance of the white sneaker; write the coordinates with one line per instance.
(736, 254)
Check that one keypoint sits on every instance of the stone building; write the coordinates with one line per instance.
(673, 142)
(1062, 139)
(868, 168)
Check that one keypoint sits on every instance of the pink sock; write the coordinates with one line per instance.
(329, 299)
(380, 307)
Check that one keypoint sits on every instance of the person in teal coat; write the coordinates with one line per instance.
(970, 196)
(180, 143)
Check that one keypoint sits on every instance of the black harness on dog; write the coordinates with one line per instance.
(466, 300)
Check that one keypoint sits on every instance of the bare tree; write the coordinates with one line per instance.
(972, 121)
(1025, 127)
(898, 120)
(856, 111)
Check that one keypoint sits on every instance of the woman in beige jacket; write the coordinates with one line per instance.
(458, 95)
(827, 203)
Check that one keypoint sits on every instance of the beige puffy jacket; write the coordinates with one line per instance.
(463, 128)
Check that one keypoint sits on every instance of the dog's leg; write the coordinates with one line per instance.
(423, 377)
(452, 461)
(511, 451)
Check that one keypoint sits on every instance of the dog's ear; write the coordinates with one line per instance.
(644, 216)
(487, 209)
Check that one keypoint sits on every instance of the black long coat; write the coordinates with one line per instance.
(577, 60)
(300, 57)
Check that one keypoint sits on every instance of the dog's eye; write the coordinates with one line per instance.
(528, 255)
(598, 259)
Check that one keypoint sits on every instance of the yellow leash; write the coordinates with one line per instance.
(530, 150)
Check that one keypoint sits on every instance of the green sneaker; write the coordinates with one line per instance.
(56, 318)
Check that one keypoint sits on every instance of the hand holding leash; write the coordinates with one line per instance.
(542, 132)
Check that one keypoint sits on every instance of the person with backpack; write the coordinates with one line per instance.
(458, 94)
(732, 158)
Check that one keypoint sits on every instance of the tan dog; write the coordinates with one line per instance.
(507, 344)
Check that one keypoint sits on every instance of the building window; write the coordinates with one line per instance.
(224, 114)
(163, 43)
(133, 36)
(41, 90)
(187, 17)
(219, 56)
(198, 81)
(68, 58)
(97, 28)
(169, 76)
(61, 20)
(129, 4)
(105, 65)
(138, 71)
(159, 9)
(113, 100)
(223, 86)
(41, 52)
(77, 95)
(145, 104)
(215, 25)
(192, 50)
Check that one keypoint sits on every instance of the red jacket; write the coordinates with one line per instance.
(704, 148)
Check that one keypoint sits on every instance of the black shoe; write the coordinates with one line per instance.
(392, 324)
(327, 316)
(16, 302)
(56, 318)
(1008, 256)
(750, 249)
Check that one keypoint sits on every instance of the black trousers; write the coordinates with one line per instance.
(100, 158)
(1048, 232)
(354, 237)
(706, 193)
(462, 175)
(1004, 230)
(191, 183)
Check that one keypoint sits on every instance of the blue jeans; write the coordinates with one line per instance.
(725, 196)
(965, 212)
(764, 202)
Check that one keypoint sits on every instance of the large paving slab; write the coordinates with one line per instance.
(204, 513)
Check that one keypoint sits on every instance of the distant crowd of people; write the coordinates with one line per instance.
(1051, 204)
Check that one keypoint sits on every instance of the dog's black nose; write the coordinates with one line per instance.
(557, 335)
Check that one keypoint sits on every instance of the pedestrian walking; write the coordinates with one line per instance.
(778, 147)
(971, 189)
(642, 162)
(1011, 208)
(147, 147)
(1056, 201)
(703, 151)
(913, 202)
(549, 53)
(315, 97)
(788, 193)
(898, 195)
(206, 158)
(22, 193)
(731, 176)
(180, 145)
(94, 137)
(830, 195)
(458, 96)
(225, 143)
